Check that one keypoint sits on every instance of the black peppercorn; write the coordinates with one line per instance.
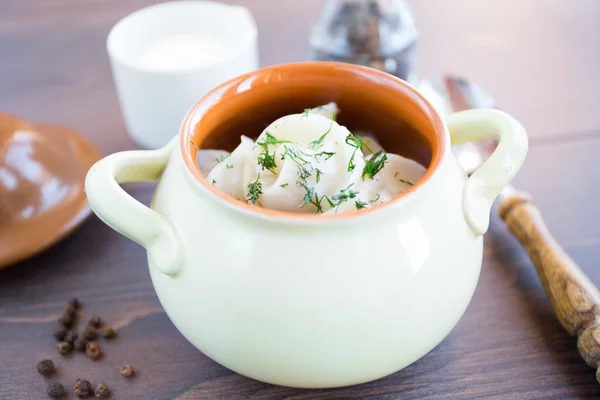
(70, 311)
(66, 320)
(108, 333)
(127, 370)
(60, 332)
(89, 333)
(93, 350)
(102, 391)
(63, 347)
(82, 388)
(80, 344)
(55, 390)
(45, 367)
(74, 302)
(71, 336)
(95, 321)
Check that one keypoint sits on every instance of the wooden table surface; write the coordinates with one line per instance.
(539, 58)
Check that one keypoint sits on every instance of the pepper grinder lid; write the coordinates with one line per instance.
(376, 33)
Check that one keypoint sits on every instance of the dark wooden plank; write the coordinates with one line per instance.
(538, 59)
(508, 344)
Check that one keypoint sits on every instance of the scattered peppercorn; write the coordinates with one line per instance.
(80, 344)
(66, 320)
(63, 347)
(89, 332)
(69, 310)
(95, 321)
(71, 336)
(127, 370)
(55, 390)
(102, 391)
(93, 350)
(108, 332)
(82, 388)
(75, 303)
(60, 332)
(45, 367)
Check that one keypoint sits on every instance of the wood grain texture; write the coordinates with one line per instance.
(574, 298)
(538, 57)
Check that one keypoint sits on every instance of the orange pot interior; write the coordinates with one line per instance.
(371, 101)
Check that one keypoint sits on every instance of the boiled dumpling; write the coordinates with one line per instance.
(232, 172)
(310, 160)
(308, 163)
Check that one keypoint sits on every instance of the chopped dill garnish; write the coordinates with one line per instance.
(402, 180)
(331, 203)
(312, 197)
(343, 196)
(318, 176)
(222, 158)
(254, 190)
(315, 144)
(359, 204)
(363, 146)
(374, 164)
(284, 185)
(305, 168)
(194, 145)
(352, 141)
(228, 166)
(266, 159)
(308, 196)
(329, 154)
(305, 113)
(214, 182)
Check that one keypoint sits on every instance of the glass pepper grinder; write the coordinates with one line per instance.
(377, 33)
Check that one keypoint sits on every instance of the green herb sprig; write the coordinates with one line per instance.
(266, 159)
(222, 158)
(315, 144)
(402, 180)
(359, 204)
(374, 164)
(254, 190)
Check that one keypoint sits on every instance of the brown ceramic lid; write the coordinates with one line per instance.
(42, 172)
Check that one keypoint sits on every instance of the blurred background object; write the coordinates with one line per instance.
(42, 169)
(165, 57)
(376, 33)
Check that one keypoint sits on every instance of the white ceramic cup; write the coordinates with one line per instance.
(155, 96)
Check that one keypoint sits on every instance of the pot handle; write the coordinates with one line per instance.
(128, 216)
(485, 184)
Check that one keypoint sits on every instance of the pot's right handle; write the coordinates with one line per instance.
(128, 216)
(487, 181)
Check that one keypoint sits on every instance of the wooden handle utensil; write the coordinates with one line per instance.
(574, 298)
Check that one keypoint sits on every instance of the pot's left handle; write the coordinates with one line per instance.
(485, 184)
(128, 216)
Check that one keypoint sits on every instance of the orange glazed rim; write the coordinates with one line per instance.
(192, 135)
